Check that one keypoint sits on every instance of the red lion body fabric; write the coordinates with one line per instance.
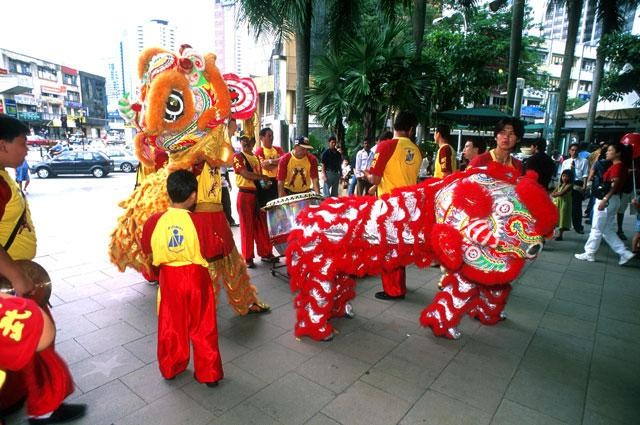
(480, 225)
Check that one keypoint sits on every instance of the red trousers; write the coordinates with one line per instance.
(394, 283)
(253, 227)
(188, 314)
(45, 382)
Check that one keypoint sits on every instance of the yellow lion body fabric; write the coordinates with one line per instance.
(184, 104)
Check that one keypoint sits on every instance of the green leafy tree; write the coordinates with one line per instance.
(469, 67)
(622, 51)
(609, 14)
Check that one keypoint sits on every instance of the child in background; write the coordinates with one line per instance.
(562, 198)
(177, 241)
(22, 176)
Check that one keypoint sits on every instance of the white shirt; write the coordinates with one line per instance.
(363, 160)
(581, 169)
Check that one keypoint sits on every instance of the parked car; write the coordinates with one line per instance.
(123, 160)
(74, 162)
(35, 140)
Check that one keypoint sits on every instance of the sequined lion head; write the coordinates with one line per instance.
(488, 224)
(183, 104)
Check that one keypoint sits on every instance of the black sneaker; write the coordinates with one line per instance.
(384, 296)
(64, 413)
(622, 236)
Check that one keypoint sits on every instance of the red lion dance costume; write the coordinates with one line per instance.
(481, 225)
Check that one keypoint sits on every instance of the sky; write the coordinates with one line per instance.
(80, 34)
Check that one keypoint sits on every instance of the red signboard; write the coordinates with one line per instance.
(3, 71)
(69, 71)
(53, 89)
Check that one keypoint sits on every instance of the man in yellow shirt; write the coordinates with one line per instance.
(445, 162)
(298, 170)
(46, 376)
(396, 164)
(269, 156)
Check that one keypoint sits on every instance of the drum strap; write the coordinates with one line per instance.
(13, 234)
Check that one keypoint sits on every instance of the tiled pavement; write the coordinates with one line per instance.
(568, 353)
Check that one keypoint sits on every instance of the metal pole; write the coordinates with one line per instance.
(517, 101)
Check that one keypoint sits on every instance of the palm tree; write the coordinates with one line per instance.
(609, 14)
(515, 48)
(574, 10)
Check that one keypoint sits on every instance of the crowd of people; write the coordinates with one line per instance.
(192, 258)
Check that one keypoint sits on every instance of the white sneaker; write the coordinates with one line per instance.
(624, 258)
(585, 257)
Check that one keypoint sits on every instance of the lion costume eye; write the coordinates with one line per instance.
(175, 106)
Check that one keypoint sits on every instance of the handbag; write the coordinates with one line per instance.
(263, 192)
(601, 190)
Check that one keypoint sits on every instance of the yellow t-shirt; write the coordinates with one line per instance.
(445, 161)
(397, 162)
(24, 244)
(175, 241)
(270, 153)
(298, 175)
(239, 164)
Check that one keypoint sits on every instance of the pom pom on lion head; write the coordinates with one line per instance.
(185, 100)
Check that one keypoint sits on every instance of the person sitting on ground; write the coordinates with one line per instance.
(177, 241)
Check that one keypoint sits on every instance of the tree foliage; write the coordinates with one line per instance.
(471, 67)
(622, 51)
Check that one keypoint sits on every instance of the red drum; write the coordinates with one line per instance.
(40, 278)
(282, 213)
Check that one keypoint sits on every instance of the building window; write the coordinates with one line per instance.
(71, 80)
(46, 73)
(557, 59)
(19, 67)
(585, 86)
(554, 83)
(73, 96)
(588, 64)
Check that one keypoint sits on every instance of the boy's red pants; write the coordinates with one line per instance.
(188, 314)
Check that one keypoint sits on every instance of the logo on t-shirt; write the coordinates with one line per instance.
(409, 155)
(176, 240)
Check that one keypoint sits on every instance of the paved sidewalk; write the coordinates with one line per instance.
(568, 353)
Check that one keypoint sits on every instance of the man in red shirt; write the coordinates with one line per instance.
(396, 164)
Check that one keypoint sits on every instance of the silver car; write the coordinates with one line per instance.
(123, 160)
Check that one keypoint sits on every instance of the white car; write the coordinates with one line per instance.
(123, 160)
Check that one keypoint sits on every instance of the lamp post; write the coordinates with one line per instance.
(517, 100)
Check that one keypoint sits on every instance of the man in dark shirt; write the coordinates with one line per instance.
(331, 164)
(540, 162)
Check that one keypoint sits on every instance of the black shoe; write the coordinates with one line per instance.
(621, 235)
(211, 384)
(384, 296)
(64, 413)
(234, 225)
(251, 264)
(580, 232)
(271, 259)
